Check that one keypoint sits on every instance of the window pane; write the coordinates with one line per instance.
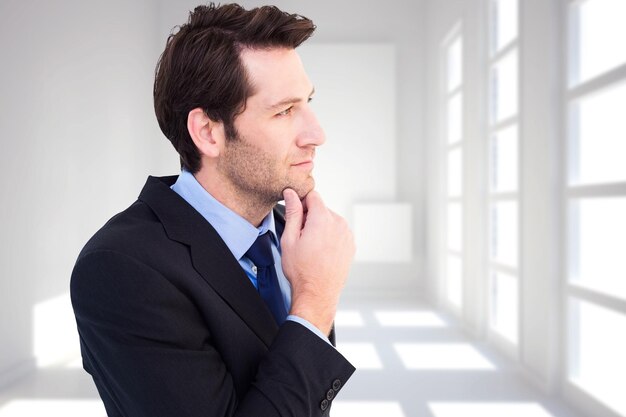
(455, 64)
(504, 233)
(598, 244)
(455, 170)
(455, 227)
(454, 280)
(601, 34)
(597, 346)
(599, 137)
(504, 302)
(455, 118)
(504, 88)
(504, 159)
(504, 24)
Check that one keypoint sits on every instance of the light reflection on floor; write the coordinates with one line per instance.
(349, 318)
(452, 356)
(362, 355)
(412, 362)
(428, 366)
(367, 409)
(409, 319)
(511, 409)
(53, 408)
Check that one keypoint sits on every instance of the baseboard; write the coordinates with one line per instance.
(382, 294)
(532, 378)
(586, 403)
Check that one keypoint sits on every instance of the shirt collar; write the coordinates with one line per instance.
(235, 231)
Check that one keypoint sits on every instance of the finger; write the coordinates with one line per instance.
(313, 202)
(293, 215)
(304, 206)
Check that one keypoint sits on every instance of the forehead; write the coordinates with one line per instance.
(275, 73)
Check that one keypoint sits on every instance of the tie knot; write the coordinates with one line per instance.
(260, 253)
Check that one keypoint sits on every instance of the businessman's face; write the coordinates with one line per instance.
(278, 131)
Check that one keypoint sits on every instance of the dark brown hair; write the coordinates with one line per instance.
(201, 67)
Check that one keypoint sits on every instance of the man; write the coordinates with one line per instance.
(178, 312)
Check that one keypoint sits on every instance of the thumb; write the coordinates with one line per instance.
(293, 215)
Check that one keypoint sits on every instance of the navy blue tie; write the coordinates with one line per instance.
(260, 253)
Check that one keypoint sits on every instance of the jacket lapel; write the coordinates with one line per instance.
(279, 219)
(210, 255)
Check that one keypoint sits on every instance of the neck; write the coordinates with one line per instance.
(247, 205)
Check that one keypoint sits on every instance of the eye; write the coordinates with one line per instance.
(285, 112)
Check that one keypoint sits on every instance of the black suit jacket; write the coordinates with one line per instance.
(170, 325)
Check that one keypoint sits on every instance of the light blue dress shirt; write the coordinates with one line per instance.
(239, 235)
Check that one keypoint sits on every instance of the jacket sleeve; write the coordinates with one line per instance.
(139, 341)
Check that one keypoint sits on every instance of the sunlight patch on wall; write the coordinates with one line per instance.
(76, 363)
(55, 338)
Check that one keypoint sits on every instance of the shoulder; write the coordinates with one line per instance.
(129, 253)
(134, 227)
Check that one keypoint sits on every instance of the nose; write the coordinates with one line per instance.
(311, 133)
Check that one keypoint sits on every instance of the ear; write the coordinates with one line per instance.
(207, 135)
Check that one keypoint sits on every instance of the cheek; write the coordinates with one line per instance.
(275, 140)
(281, 148)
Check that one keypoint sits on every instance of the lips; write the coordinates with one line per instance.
(308, 162)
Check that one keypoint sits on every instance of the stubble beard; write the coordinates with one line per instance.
(256, 176)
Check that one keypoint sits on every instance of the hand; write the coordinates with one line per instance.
(317, 251)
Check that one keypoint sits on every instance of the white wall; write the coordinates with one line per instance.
(78, 137)
(355, 89)
(541, 149)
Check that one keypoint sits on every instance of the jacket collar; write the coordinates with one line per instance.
(210, 255)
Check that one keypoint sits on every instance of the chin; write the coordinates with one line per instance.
(302, 188)
(306, 188)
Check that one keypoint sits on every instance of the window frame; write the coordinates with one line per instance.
(493, 127)
(447, 95)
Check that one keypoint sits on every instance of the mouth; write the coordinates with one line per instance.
(304, 164)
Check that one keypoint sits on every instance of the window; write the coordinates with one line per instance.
(503, 196)
(595, 201)
(597, 36)
(598, 133)
(453, 61)
(597, 357)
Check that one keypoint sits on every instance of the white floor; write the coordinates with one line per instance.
(411, 363)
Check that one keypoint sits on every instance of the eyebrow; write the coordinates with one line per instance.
(291, 100)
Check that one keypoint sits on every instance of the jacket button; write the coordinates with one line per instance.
(330, 395)
(336, 384)
(324, 405)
